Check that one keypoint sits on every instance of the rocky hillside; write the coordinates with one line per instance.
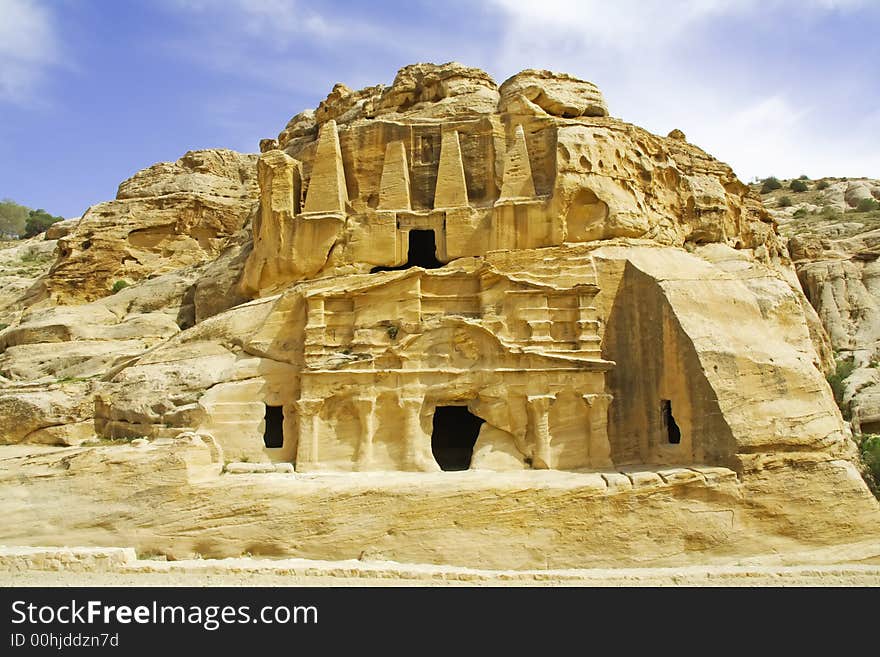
(80, 304)
(168, 252)
(616, 308)
(833, 231)
(92, 293)
(169, 216)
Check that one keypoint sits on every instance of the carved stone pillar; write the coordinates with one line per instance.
(366, 407)
(503, 226)
(541, 330)
(290, 431)
(316, 329)
(315, 312)
(539, 416)
(597, 422)
(417, 443)
(587, 324)
(309, 432)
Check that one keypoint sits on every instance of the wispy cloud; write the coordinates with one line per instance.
(713, 68)
(323, 41)
(276, 21)
(640, 24)
(290, 45)
(291, 52)
(28, 48)
(665, 64)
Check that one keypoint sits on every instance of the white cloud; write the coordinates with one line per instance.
(28, 47)
(302, 47)
(773, 137)
(621, 25)
(637, 24)
(654, 60)
(655, 63)
(274, 21)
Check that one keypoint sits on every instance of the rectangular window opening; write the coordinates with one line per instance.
(273, 434)
(673, 433)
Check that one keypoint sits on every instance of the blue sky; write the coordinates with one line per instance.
(93, 90)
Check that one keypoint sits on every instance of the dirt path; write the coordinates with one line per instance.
(786, 576)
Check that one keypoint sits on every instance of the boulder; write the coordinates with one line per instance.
(556, 94)
(168, 216)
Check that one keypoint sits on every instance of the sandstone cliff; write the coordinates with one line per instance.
(614, 310)
(168, 216)
(835, 245)
(588, 176)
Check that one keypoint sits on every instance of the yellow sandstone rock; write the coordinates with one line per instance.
(168, 216)
(394, 186)
(518, 182)
(597, 327)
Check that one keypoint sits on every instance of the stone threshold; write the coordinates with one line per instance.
(622, 479)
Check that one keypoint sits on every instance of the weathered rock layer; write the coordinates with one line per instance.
(165, 217)
(601, 325)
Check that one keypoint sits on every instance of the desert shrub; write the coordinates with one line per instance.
(119, 285)
(869, 450)
(785, 202)
(31, 255)
(823, 184)
(770, 184)
(38, 221)
(841, 373)
(800, 213)
(804, 177)
(798, 186)
(867, 205)
(12, 218)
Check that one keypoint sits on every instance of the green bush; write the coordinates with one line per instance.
(798, 186)
(869, 449)
(823, 184)
(770, 184)
(119, 285)
(785, 202)
(804, 177)
(841, 373)
(38, 221)
(867, 205)
(800, 213)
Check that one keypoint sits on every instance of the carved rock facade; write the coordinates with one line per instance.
(601, 324)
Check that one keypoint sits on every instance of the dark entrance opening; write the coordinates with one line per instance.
(673, 433)
(273, 435)
(453, 437)
(422, 252)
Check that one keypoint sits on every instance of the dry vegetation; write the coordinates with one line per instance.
(811, 210)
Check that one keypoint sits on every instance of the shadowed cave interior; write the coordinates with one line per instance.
(422, 252)
(673, 433)
(455, 431)
(273, 434)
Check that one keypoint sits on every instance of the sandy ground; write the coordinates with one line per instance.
(809, 576)
(855, 564)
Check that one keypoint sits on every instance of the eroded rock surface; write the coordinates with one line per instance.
(835, 249)
(168, 216)
(602, 327)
